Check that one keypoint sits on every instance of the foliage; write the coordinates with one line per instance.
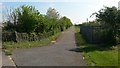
(92, 23)
(118, 24)
(97, 55)
(65, 23)
(29, 20)
(109, 17)
(78, 37)
(52, 13)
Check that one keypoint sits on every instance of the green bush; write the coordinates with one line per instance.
(118, 40)
(29, 20)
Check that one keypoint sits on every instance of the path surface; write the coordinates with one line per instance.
(6, 60)
(57, 54)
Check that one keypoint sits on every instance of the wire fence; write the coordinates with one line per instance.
(95, 34)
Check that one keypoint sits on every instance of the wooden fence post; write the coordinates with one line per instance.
(16, 37)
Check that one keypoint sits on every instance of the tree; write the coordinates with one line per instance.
(24, 19)
(52, 13)
(65, 23)
(27, 19)
(118, 23)
(10, 19)
(109, 17)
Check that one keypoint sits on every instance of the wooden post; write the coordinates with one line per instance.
(16, 37)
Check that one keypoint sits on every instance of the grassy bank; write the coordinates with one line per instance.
(9, 46)
(96, 54)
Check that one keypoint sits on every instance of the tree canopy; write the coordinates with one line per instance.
(53, 13)
(109, 17)
(27, 19)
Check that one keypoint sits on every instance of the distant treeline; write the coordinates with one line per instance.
(26, 19)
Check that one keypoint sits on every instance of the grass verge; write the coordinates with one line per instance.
(9, 46)
(96, 54)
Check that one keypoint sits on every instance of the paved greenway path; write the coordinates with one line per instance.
(57, 54)
(6, 60)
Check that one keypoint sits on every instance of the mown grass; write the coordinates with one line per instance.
(96, 54)
(8, 47)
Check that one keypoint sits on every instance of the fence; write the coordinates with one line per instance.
(94, 34)
(17, 37)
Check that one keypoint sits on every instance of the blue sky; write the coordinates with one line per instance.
(77, 10)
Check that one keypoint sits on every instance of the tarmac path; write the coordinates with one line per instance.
(57, 54)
